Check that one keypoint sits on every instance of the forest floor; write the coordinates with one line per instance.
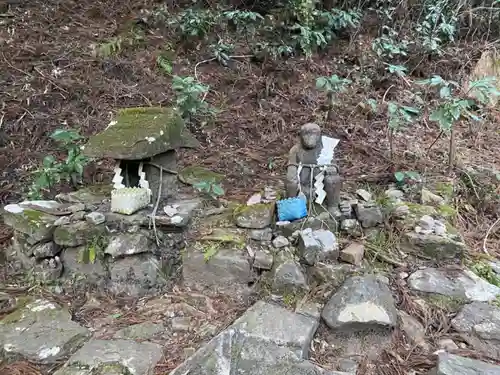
(50, 78)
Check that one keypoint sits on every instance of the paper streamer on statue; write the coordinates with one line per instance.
(324, 158)
(319, 188)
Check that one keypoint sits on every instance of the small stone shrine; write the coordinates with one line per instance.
(124, 237)
(143, 141)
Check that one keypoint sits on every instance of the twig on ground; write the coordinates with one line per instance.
(485, 249)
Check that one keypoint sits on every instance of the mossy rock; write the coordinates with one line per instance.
(256, 216)
(226, 235)
(434, 246)
(140, 133)
(77, 234)
(194, 174)
(35, 224)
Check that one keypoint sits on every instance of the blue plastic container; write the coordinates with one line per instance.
(292, 209)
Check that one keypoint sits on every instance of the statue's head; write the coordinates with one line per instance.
(310, 135)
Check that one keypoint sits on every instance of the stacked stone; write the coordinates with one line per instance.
(77, 238)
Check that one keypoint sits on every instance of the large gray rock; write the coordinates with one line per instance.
(280, 326)
(479, 324)
(103, 357)
(136, 275)
(321, 221)
(256, 216)
(450, 364)
(265, 234)
(40, 331)
(362, 303)
(37, 225)
(45, 250)
(124, 244)
(228, 270)
(94, 273)
(318, 246)
(436, 246)
(459, 284)
(369, 215)
(289, 277)
(236, 352)
(140, 133)
(77, 234)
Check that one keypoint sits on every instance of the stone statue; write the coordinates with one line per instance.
(312, 169)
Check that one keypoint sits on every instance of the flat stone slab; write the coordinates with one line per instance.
(276, 324)
(125, 244)
(141, 331)
(450, 364)
(237, 352)
(462, 284)
(479, 323)
(362, 303)
(433, 245)
(91, 195)
(289, 277)
(135, 275)
(226, 270)
(77, 234)
(40, 331)
(256, 216)
(38, 225)
(104, 357)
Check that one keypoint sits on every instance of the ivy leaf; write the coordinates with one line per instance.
(400, 176)
(445, 92)
(48, 161)
(441, 116)
(92, 254)
(322, 83)
(164, 64)
(65, 136)
(217, 190)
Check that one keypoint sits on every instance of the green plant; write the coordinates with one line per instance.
(210, 187)
(194, 22)
(52, 171)
(94, 250)
(164, 64)
(307, 39)
(388, 46)
(407, 178)
(452, 106)
(485, 271)
(190, 96)
(221, 52)
(438, 26)
(331, 85)
(244, 21)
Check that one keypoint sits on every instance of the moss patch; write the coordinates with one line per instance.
(226, 235)
(140, 133)
(194, 174)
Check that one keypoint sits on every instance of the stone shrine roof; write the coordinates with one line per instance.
(141, 133)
